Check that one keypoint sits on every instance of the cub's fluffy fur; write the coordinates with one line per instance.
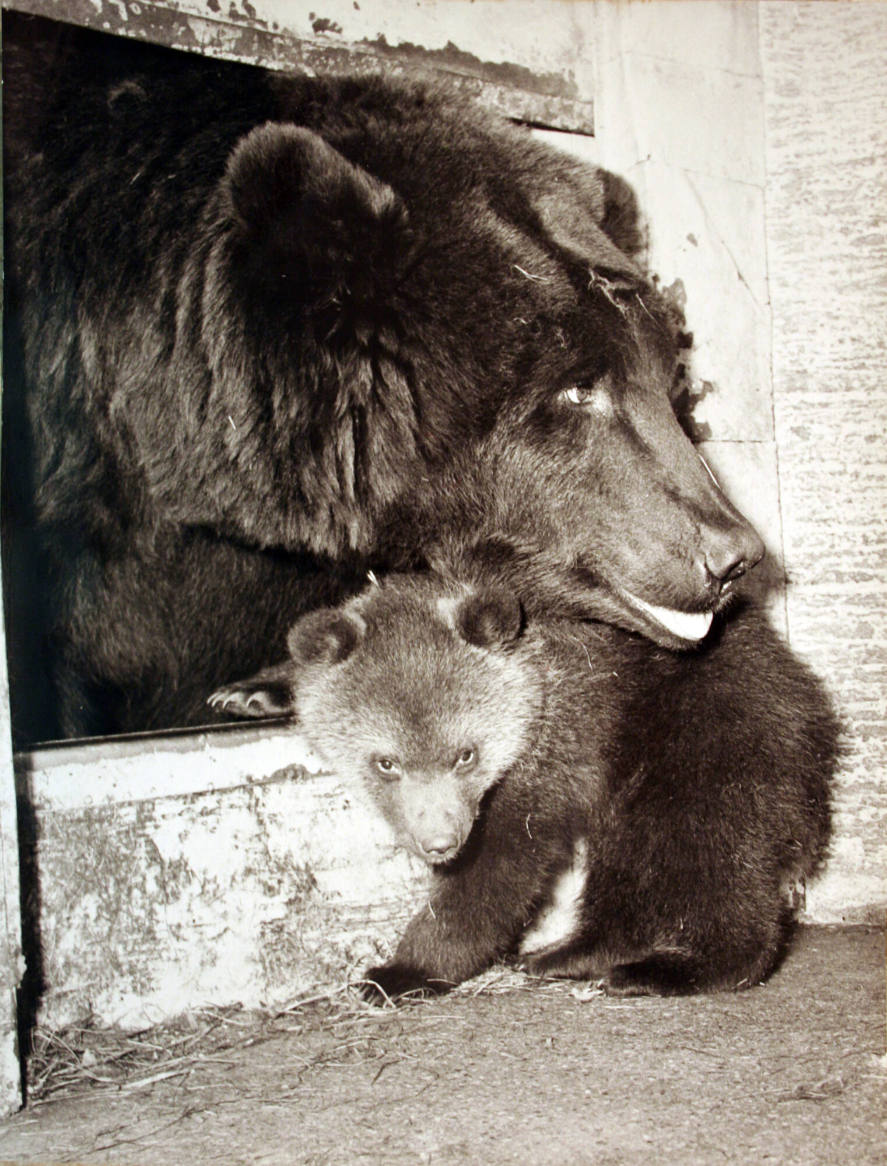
(685, 793)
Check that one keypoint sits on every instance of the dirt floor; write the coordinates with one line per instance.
(506, 1071)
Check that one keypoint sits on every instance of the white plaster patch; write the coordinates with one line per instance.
(559, 919)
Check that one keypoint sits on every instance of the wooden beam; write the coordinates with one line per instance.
(551, 99)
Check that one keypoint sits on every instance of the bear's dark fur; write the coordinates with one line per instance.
(265, 332)
(682, 794)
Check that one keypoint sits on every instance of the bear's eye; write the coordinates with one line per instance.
(578, 394)
(595, 396)
(465, 759)
(387, 767)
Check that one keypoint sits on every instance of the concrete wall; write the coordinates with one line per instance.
(11, 965)
(825, 88)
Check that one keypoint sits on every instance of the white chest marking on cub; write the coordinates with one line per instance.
(559, 918)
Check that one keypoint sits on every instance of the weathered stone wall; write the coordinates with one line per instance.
(825, 87)
(11, 966)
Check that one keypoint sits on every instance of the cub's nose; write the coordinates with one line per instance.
(439, 847)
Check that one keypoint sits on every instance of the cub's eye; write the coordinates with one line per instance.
(465, 759)
(388, 768)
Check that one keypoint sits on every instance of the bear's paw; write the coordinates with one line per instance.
(393, 983)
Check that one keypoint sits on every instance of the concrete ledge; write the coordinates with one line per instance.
(194, 868)
(179, 870)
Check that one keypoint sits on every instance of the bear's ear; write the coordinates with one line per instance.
(327, 636)
(295, 201)
(491, 618)
(621, 219)
(595, 218)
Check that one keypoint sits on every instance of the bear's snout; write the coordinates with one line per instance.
(439, 847)
(437, 819)
(438, 837)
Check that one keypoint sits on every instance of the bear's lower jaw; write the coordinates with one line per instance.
(434, 858)
(590, 596)
(690, 627)
(438, 859)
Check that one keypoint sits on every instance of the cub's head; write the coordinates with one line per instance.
(426, 692)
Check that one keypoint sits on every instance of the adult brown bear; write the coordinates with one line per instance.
(266, 332)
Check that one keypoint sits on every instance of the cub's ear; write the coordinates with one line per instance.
(327, 636)
(491, 618)
(295, 201)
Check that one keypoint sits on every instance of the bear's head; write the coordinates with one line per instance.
(426, 694)
(423, 323)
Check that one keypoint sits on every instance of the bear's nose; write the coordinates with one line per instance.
(440, 846)
(729, 557)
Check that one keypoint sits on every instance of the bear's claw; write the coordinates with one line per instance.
(392, 983)
(246, 700)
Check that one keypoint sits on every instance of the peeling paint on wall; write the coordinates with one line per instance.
(11, 961)
(299, 39)
(248, 892)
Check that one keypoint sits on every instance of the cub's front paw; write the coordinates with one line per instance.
(392, 983)
(540, 963)
(667, 974)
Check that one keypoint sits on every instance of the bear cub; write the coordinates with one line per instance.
(670, 800)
